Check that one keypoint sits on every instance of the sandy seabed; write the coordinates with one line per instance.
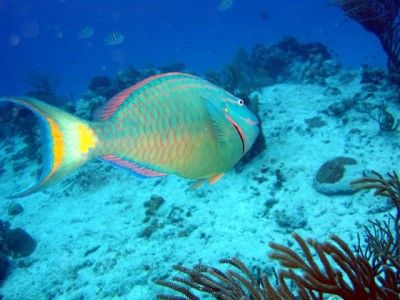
(98, 239)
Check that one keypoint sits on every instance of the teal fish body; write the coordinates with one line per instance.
(178, 123)
(171, 123)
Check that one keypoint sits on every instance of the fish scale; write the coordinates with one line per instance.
(170, 123)
(171, 143)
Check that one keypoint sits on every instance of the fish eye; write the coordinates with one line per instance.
(240, 102)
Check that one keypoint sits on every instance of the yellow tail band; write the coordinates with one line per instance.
(68, 142)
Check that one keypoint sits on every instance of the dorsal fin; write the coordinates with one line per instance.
(131, 166)
(104, 112)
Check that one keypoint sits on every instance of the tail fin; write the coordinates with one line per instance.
(67, 142)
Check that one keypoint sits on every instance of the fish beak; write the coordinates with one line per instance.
(251, 122)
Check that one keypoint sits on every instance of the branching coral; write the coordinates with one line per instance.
(238, 283)
(389, 187)
(342, 273)
(383, 238)
(382, 245)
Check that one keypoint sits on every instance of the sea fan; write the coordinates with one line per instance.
(338, 272)
(381, 17)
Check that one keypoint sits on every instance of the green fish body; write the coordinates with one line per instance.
(171, 123)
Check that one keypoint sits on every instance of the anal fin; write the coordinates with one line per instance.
(134, 168)
(197, 184)
(215, 178)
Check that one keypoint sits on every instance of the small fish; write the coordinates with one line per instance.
(225, 5)
(86, 33)
(172, 123)
(113, 39)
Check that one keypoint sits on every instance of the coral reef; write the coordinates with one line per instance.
(87, 105)
(129, 77)
(102, 86)
(174, 67)
(287, 60)
(15, 243)
(18, 243)
(382, 17)
(290, 60)
(237, 76)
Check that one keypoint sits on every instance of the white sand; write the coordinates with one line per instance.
(224, 220)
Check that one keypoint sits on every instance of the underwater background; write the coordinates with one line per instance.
(322, 77)
(44, 37)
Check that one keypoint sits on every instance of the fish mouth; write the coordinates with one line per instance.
(250, 121)
(239, 131)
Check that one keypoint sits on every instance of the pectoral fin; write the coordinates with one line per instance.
(212, 180)
(220, 125)
(197, 184)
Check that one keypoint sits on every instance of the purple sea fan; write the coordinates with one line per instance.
(382, 17)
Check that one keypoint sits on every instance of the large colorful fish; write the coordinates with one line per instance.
(171, 123)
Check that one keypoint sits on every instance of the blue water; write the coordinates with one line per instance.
(162, 32)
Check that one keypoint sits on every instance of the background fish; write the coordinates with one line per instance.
(114, 38)
(173, 123)
(225, 4)
(86, 32)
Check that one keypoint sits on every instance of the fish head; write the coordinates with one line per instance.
(243, 120)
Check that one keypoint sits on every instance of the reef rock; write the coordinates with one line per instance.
(101, 86)
(18, 243)
(88, 104)
(4, 267)
(334, 176)
(15, 209)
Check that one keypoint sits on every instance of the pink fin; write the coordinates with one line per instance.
(196, 184)
(104, 112)
(138, 170)
(215, 178)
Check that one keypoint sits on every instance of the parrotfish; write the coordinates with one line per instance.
(171, 123)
